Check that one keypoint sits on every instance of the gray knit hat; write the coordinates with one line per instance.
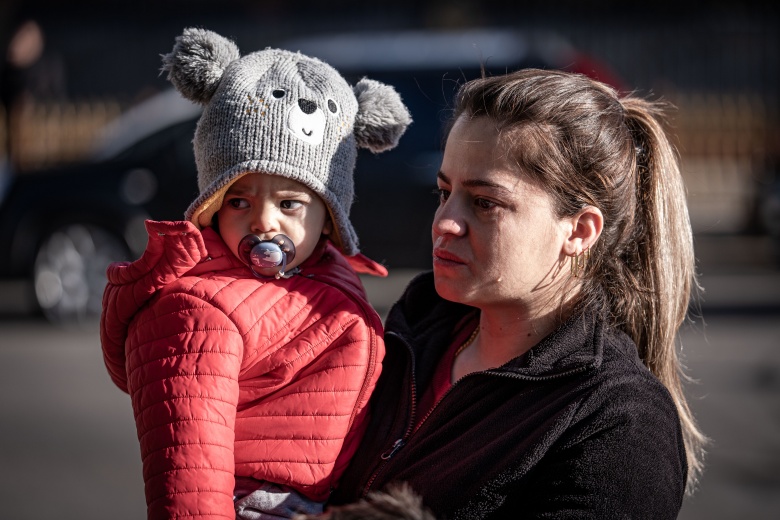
(282, 113)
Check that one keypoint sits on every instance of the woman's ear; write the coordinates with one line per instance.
(585, 230)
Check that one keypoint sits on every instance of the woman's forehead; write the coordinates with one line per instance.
(476, 155)
(478, 129)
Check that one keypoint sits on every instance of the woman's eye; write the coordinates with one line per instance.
(291, 204)
(484, 204)
(332, 106)
(442, 194)
(278, 93)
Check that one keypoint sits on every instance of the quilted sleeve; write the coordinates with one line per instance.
(173, 249)
(183, 380)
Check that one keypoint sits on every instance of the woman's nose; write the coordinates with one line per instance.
(448, 220)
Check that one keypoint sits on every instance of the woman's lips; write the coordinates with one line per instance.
(444, 257)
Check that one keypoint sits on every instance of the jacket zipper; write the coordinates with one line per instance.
(399, 443)
(411, 429)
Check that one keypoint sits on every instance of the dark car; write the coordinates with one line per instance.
(60, 228)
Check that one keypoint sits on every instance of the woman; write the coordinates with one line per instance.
(533, 373)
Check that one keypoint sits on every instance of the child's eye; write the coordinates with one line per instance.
(291, 204)
(238, 203)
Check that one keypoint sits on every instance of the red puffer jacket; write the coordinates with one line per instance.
(233, 375)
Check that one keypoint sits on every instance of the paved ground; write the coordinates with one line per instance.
(736, 360)
(67, 438)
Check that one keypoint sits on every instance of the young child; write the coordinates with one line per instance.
(243, 334)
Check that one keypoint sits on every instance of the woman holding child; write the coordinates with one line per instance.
(533, 373)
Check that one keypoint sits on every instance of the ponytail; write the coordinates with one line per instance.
(665, 263)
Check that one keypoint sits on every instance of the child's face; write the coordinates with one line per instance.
(266, 205)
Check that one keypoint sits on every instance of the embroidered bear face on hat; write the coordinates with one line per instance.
(282, 113)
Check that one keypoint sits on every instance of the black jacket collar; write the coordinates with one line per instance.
(426, 322)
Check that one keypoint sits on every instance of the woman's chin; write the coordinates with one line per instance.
(450, 288)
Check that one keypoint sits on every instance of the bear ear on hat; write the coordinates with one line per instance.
(197, 62)
(382, 118)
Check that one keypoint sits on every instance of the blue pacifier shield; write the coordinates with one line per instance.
(267, 254)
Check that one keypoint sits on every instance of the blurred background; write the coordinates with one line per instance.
(92, 142)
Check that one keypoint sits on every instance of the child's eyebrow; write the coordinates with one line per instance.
(292, 192)
(237, 190)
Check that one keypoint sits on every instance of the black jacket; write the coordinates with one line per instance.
(577, 428)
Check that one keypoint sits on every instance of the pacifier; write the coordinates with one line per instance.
(272, 254)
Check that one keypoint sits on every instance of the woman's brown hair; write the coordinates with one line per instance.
(587, 146)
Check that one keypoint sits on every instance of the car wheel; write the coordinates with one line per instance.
(70, 271)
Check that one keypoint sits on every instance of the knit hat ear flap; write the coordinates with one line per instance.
(197, 62)
(382, 117)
